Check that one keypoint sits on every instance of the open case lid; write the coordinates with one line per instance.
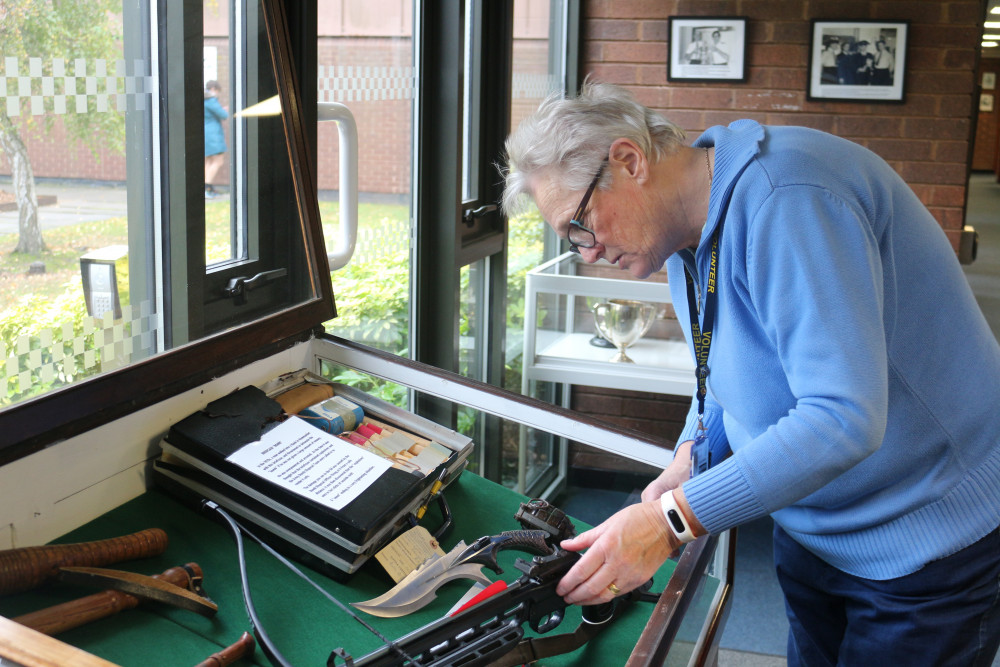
(280, 189)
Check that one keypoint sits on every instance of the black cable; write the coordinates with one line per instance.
(291, 566)
(266, 645)
(237, 527)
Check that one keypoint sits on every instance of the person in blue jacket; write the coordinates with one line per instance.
(849, 384)
(215, 137)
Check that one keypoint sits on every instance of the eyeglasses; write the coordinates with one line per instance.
(578, 235)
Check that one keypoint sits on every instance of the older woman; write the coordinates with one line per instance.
(845, 366)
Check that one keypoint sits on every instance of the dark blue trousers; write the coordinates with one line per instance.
(947, 613)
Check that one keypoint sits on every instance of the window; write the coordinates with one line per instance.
(131, 288)
(77, 180)
(195, 268)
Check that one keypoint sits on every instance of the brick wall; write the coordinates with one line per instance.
(54, 155)
(381, 107)
(926, 139)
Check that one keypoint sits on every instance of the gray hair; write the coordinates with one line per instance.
(570, 137)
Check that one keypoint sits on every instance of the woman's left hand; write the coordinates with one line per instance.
(625, 551)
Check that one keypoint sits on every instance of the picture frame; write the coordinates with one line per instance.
(986, 102)
(858, 60)
(707, 48)
(989, 80)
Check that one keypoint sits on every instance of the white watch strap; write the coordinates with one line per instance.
(675, 518)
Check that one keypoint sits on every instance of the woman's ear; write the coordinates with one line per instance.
(627, 155)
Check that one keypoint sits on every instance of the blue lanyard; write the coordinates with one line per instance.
(701, 332)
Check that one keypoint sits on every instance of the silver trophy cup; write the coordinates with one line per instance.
(623, 322)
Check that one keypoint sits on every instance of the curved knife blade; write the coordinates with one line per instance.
(419, 594)
(418, 588)
(139, 585)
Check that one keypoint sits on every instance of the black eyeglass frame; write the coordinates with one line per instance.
(575, 224)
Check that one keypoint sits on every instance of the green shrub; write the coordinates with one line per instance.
(48, 344)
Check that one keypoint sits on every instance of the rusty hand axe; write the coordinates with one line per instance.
(174, 586)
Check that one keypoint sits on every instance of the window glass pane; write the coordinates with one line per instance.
(267, 267)
(389, 392)
(534, 59)
(365, 62)
(94, 212)
(220, 232)
(473, 98)
(76, 89)
(471, 323)
(536, 66)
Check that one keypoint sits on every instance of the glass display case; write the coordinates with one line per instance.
(562, 344)
(75, 463)
(108, 490)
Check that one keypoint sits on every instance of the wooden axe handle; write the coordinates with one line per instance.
(243, 648)
(25, 568)
(72, 614)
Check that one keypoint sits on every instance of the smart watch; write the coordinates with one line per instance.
(675, 518)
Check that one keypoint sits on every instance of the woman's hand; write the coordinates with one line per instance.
(625, 551)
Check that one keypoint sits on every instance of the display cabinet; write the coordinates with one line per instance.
(75, 464)
(559, 330)
(97, 485)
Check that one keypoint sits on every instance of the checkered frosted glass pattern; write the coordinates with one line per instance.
(73, 85)
(525, 86)
(347, 83)
(59, 356)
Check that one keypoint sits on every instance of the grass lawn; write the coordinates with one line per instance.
(65, 246)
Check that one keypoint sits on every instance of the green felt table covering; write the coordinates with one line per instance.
(305, 625)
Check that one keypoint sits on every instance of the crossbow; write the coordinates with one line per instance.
(492, 631)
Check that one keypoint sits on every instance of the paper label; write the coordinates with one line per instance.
(312, 463)
(405, 553)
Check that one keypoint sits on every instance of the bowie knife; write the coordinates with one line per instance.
(420, 586)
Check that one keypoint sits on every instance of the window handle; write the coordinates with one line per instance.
(237, 288)
(470, 216)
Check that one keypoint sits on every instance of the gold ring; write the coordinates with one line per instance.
(614, 589)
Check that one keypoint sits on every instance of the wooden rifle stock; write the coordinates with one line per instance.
(72, 614)
(27, 567)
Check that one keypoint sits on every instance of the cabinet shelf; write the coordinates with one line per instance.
(559, 327)
(661, 366)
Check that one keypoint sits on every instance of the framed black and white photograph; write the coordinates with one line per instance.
(707, 48)
(986, 102)
(989, 80)
(860, 61)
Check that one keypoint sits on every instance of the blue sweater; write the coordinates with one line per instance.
(852, 374)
